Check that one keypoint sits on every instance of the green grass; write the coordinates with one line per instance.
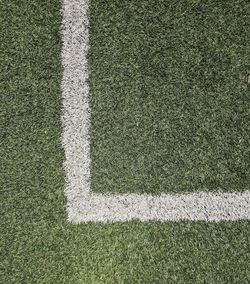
(169, 95)
(37, 245)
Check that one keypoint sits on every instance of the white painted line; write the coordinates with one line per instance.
(84, 206)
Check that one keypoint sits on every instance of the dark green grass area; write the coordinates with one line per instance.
(37, 244)
(169, 95)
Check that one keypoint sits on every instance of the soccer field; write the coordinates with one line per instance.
(128, 100)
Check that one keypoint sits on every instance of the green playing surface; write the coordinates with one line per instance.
(37, 244)
(169, 96)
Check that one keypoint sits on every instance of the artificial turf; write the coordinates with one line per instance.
(169, 95)
(37, 244)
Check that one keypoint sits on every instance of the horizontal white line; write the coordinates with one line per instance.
(84, 206)
(166, 207)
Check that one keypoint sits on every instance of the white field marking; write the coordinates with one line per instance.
(84, 206)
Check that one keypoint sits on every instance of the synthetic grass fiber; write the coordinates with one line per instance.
(37, 244)
(169, 96)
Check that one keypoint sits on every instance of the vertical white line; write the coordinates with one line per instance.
(76, 112)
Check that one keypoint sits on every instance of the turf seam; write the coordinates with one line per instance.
(82, 204)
